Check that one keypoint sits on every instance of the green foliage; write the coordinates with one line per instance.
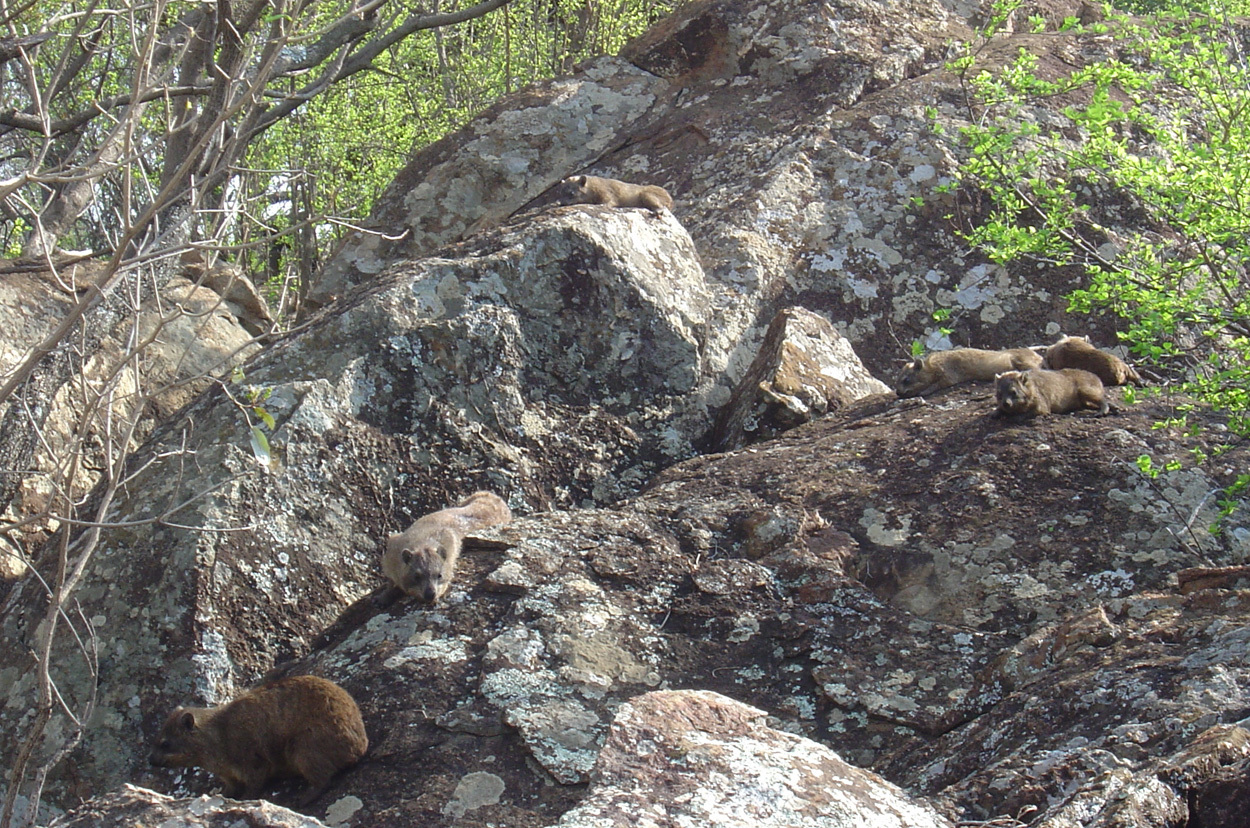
(940, 315)
(346, 146)
(252, 405)
(275, 192)
(1158, 140)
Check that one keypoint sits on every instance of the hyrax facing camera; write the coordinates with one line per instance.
(422, 560)
(1029, 393)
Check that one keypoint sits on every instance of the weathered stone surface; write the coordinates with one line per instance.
(193, 336)
(803, 159)
(141, 808)
(804, 369)
(479, 175)
(1221, 800)
(232, 284)
(986, 613)
(698, 758)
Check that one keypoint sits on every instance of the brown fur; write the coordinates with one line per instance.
(590, 189)
(299, 726)
(946, 368)
(1076, 352)
(1029, 393)
(422, 560)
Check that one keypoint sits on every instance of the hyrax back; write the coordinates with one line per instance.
(1039, 391)
(590, 189)
(1076, 352)
(298, 726)
(946, 368)
(422, 560)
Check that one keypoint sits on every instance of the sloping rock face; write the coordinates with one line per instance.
(140, 808)
(675, 743)
(802, 142)
(195, 336)
(804, 369)
(985, 612)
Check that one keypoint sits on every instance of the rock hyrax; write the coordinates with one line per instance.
(1029, 393)
(422, 560)
(299, 726)
(590, 189)
(946, 368)
(1076, 352)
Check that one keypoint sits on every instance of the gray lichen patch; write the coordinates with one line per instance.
(473, 791)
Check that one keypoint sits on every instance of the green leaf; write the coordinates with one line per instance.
(266, 418)
(260, 447)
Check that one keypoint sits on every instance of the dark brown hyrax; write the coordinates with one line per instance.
(422, 560)
(590, 189)
(1029, 393)
(299, 726)
(943, 369)
(1076, 352)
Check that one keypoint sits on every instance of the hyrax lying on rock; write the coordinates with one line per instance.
(299, 726)
(422, 560)
(1076, 352)
(1029, 393)
(590, 189)
(946, 368)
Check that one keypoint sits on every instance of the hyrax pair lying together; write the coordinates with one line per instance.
(1069, 378)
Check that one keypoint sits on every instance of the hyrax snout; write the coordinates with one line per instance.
(942, 369)
(299, 726)
(591, 189)
(1077, 352)
(1039, 391)
(422, 560)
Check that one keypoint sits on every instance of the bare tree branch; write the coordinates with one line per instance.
(363, 59)
(62, 126)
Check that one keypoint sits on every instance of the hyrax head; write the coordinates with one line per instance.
(178, 745)
(910, 376)
(572, 189)
(428, 565)
(1011, 390)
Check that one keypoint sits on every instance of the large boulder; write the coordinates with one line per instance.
(698, 758)
(988, 613)
(170, 347)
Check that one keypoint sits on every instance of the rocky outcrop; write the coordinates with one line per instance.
(804, 369)
(141, 808)
(698, 758)
(191, 337)
(803, 146)
(986, 613)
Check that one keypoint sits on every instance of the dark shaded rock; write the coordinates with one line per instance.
(804, 369)
(1223, 800)
(1202, 577)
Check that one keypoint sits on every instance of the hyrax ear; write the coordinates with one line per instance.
(187, 721)
(918, 364)
(406, 556)
(580, 181)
